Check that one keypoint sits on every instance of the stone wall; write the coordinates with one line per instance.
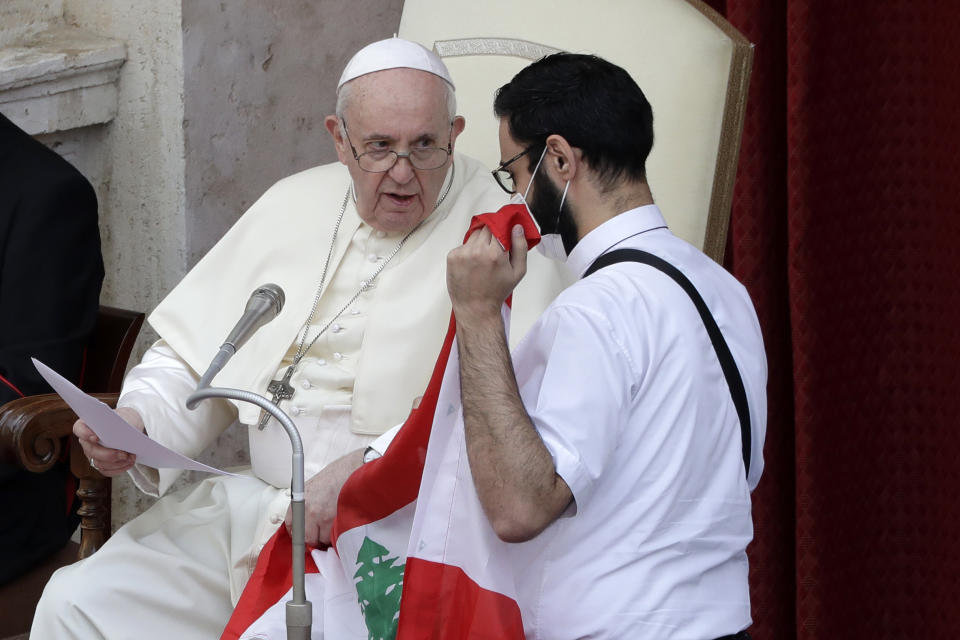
(142, 194)
(260, 78)
(19, 18)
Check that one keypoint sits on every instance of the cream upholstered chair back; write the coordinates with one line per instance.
(693, 66)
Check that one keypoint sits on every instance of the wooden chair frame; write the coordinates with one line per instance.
(34, 430)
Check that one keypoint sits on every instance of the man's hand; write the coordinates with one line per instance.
(480, 274)
(320, 498)
(109, 462)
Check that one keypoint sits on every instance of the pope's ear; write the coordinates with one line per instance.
(332, 123)
(459, 124)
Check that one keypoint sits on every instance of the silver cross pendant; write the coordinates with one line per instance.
(281, 390)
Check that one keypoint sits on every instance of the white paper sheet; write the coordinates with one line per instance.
(115, 432)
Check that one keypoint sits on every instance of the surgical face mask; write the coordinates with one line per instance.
(551, 243)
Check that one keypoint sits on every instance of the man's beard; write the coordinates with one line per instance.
(550, 216)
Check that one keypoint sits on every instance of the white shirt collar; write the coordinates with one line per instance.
(613, 231)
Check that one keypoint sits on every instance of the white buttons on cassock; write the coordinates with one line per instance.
(373, 257)
(336, 328)
(355, 312)
(321, 362)
(380, 234)
(296, 411)
(276, 519)
(338, 356)
(306, 384)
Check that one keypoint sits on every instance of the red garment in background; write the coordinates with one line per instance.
(846, 231)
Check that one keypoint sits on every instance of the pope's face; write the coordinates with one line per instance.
(402, 110)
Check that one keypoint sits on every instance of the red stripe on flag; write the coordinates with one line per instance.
(441, 601)
(502, 222)
(271, 579)
(388, 483)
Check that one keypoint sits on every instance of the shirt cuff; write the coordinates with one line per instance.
(379, 446)
(569, 467)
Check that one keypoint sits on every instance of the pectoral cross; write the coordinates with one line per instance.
(281, 390)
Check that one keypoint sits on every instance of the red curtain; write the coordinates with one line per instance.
(846, 231)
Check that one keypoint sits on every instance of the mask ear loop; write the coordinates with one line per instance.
(530, 184)
(556, 222)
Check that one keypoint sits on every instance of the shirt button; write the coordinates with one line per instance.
(296, 411)
(336, 328)
(321, 362)
(338, 356)
(355, 312)
(373, 257)
(305, 384)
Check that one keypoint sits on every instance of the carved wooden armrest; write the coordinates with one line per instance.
(33, 431)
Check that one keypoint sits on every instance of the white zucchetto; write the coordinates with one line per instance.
(393, 53)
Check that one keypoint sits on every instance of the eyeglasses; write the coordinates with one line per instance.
(503, 177)
(382, 160)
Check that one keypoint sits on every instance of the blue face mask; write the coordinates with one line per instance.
(551, 244)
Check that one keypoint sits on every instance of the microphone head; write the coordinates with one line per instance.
(273, 293)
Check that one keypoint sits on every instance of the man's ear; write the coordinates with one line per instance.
(332, 124)
(566, 160)
(459, 124)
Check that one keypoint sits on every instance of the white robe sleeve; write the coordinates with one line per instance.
(157, 389)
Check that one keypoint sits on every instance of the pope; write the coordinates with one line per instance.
(358, 247)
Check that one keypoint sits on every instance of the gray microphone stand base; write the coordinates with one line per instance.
(299, 610)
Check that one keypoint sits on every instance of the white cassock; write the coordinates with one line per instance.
(178, 569)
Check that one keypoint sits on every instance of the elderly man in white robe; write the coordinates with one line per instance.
(358, 246)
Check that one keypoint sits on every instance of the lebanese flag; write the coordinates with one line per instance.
(413, 554)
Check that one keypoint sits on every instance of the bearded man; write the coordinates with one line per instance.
(358, 248)
(616, 446)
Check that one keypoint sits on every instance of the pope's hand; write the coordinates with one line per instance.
(320, 498)
(109, 462)
(480, 274)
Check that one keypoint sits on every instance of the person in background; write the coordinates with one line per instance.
(51, 271)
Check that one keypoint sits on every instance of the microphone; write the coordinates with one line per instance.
(262, 307)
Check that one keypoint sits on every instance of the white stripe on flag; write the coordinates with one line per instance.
(449, 526)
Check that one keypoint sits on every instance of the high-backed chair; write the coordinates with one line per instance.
(693, 66)
(36, 431)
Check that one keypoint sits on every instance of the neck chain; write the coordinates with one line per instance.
(281, 388)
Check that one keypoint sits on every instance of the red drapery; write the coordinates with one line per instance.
(846, 231)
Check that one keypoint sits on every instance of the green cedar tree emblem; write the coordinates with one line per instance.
(378, 589)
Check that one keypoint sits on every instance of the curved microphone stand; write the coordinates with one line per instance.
(299, 610)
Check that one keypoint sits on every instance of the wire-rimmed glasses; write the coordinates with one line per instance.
(382, 160)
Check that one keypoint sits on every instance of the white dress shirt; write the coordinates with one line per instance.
(622, 382)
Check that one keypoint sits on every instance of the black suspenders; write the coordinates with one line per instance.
(727, 364)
